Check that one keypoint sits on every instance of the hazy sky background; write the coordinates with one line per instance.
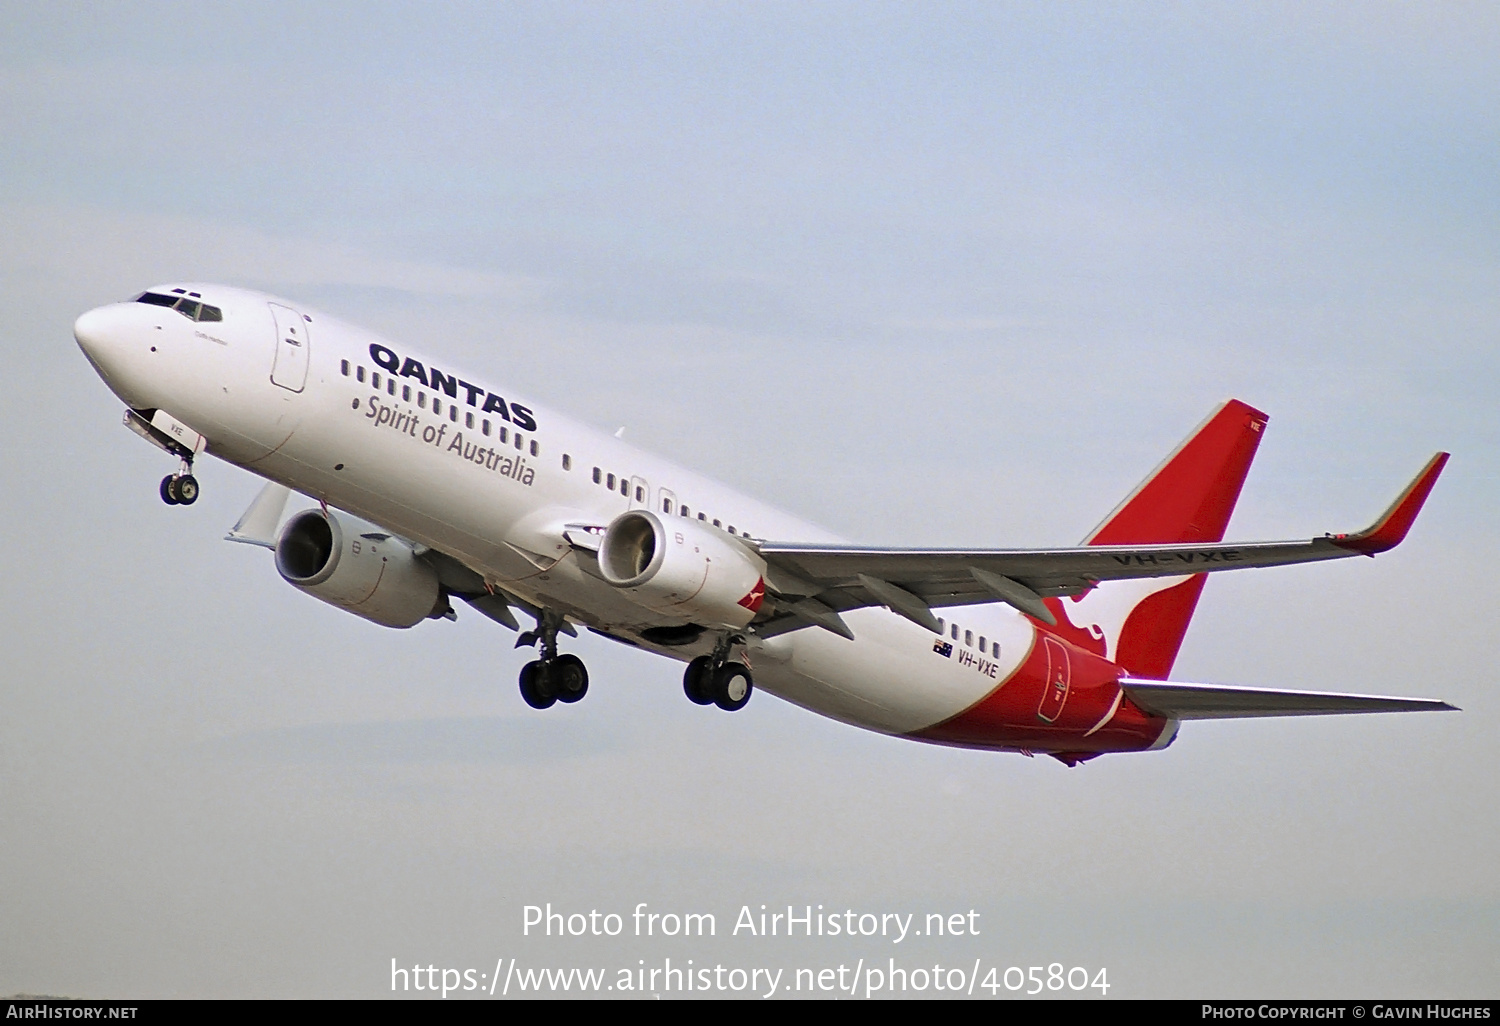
(936, 273)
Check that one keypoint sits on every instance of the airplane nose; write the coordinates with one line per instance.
(109, 338)
(92, 331)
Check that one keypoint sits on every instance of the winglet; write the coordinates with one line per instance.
(1390, 529)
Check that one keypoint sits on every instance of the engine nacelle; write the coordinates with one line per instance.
(352, 564)
(683, 568)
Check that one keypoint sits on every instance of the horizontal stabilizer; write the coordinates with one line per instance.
(1220, 701)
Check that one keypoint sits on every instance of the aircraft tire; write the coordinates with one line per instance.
(695, 681)
(732, 687)
(534, 689)
(186, 489)
(569, 678)
(169, 490)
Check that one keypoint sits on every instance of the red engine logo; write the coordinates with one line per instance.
(757, 595)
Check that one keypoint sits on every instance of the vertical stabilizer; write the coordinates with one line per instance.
(1188, 498)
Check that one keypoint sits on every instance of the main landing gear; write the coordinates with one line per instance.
(553, 677)
(181, 488)
(714, 680)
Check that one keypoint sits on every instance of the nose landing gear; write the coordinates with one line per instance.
(714, 680)
(181, 488)
(553, 677)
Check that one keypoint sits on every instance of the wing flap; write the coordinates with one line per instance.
(258, 524)
(1182, 701)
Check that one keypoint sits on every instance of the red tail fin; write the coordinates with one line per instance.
(1188, 498)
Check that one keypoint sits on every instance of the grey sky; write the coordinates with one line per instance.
(938, 273)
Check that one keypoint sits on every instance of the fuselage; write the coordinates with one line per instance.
(460, 463)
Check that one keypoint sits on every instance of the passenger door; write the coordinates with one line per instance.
(640, 493)
(1055, 689)
(292, 348)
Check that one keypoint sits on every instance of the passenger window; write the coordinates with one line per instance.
(390, 386)
(534, 450)
(666, 505)
(406, 393)
(683, 511)
(567, 462)
(596, 475)
(982, 646)
(485, 427)
(718, 524)
(625, 488)
(375, 380)
(520, 441)
(942, 625)
(640, 494)
(611, 484)
(954, 632)
(453, 413)
(359, 375)
(469, 421)
(995, 649)
(969, 638)
(422, 400)
(504, 433)
(702, 516)
(437, 406)
(344, 368)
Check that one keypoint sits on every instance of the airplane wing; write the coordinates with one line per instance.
(824, 580)
(1179, 701)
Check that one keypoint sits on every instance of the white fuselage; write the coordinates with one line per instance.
(492, 479)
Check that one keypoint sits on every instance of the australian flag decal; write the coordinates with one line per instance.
(943, 648)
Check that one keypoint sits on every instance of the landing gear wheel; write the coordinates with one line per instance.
(569, 678)
(732, 687)
(696, 679)
(169, 490)
(536, 689)
(186, 488)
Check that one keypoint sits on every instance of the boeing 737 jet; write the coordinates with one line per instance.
(435, 484)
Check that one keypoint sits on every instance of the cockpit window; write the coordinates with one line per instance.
(189, 308)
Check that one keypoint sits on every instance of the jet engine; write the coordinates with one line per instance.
(683, 568)
(352, 564)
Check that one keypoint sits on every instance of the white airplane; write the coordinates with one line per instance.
(435, 483)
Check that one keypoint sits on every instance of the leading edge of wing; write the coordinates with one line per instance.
(1076, 569)
(1182, 701)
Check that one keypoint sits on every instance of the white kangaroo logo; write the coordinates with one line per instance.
(1103, 611)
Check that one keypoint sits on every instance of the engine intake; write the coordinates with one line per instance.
(352, 564)
(683, 568)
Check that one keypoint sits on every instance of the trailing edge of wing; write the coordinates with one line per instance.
(1180, 701)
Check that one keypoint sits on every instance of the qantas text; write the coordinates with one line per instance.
(436, 380)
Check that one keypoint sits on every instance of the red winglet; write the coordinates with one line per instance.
(1390, 530)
